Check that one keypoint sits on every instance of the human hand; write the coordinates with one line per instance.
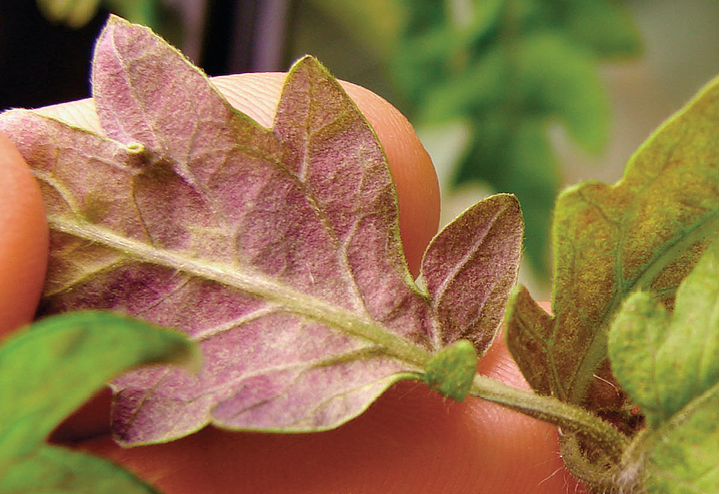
(410, 440)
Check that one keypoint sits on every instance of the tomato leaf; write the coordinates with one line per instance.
(278, 250)
(48, 371)
(469, 272)
(669, 365)
(644, 233)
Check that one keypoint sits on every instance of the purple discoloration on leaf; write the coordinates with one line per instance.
(277, 250)
(468, 270)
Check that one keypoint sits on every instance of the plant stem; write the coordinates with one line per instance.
(550, 409)
(542, 407)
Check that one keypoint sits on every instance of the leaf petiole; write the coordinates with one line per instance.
(549, 409)
(542, 407)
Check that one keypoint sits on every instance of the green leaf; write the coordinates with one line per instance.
(644, 233)
(669, 363)
(683, 454)
(56, 470)
(451, 371)
(547, 74)
(558, 78)
(480, 88)
(48, 371)
(605, 26)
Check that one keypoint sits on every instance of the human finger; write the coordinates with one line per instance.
(23, 240)
(410, 440)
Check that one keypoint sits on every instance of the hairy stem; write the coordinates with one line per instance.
(549, 409)
(569, 417)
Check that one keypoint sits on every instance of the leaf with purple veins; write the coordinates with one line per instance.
(277, 250)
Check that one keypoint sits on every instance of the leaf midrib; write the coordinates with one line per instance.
(256, 285)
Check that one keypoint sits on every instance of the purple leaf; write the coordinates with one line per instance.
(277, 250)
(470, 268)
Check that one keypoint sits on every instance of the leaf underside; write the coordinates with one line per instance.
(644, 233)
(277, 250)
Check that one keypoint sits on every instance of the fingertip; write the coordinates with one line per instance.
(24, 239)
(518, 453)
(410, 440)
(254, 94)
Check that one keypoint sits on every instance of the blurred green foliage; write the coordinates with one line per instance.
(507, 68)
(77, 13)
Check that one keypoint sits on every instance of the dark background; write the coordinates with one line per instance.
(44, 62)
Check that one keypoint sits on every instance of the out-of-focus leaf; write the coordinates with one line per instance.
(557, 78)
(644, 233)
(48, 371)
(421, 61)
(483, 17)
(77, 13)
(277, 250)
(669, 364)
(74, 13)
(604, 26)
(479, 90)
(547, 76)
(535, 62)
(375, 22)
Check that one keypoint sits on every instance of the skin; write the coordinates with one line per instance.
(410, 440)
(23, 240)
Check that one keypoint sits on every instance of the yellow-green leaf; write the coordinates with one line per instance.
(644, 233)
